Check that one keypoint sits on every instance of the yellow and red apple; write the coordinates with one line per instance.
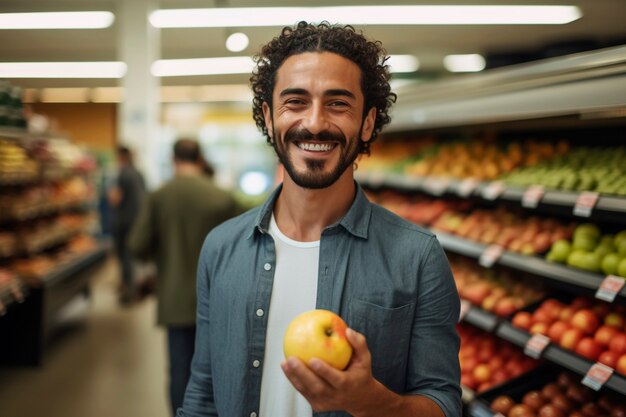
(318, 334)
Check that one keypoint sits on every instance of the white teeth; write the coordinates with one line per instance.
(316, 147)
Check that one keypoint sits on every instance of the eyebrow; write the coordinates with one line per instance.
(332, 92)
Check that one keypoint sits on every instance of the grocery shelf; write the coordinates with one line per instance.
(31, 322)
(559, 356)
(562, 274)
(12, 294)
(482, 319)
(608, 208)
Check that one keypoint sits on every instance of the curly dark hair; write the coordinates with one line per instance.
(343, 40)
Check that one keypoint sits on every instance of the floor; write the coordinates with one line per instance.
(104, 360)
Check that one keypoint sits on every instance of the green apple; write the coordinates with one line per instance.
(575, 258)
(587, 229)
(609, 263)
(591, 262)
(584, 242)
(621, 248)
(619, 237)
(560, 250)
(621, 268)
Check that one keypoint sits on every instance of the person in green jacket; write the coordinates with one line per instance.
(170, 229)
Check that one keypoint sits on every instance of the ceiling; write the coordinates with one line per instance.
(602, 25)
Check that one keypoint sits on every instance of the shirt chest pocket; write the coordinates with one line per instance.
(388, 334)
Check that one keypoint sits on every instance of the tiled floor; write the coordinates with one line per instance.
(105, 361)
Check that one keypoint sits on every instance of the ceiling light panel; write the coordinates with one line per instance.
(202, 66)
(56, 20)
(365, 15)
(464, 63)
(62, 69)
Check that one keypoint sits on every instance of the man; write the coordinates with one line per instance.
(172, 224)
(125, 198)
(321, 96)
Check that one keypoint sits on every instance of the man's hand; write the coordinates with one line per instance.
(327, 388)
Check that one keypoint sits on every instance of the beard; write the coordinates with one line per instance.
(315, 176)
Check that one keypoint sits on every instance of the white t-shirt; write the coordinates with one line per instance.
(294, 292)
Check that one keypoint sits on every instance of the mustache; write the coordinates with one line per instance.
(301, 134)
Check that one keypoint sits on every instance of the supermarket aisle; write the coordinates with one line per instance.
(106, 361)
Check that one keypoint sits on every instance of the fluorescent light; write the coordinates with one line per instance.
(206, 93)
(64, 95)
(202, 66)
(56, 20)
(403, 63)
(464, 63)
(62, 69)
(365, 15)
(237, 42)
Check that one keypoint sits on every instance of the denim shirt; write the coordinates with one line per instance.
(388, 279)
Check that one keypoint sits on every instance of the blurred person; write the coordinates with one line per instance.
(170, 229)
(321, 97)
(125, 199)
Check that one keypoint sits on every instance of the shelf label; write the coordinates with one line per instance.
(532, 196)
(490, 256)
(585, 203)
(493, 190)
(465, 308)
(597, 376)
(610, 287)
(466, 187)
(536, 345)
(436, 186)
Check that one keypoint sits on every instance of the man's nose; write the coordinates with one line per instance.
(315, 120)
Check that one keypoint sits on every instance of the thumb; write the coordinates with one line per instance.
(359, 344)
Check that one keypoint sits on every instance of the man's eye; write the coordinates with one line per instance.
(294, 102)
(339, 104)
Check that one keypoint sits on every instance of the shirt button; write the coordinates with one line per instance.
(256, 363)
(267, 267)
(253, 414)
(260, 312)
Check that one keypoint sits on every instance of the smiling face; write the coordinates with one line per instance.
(317, 117)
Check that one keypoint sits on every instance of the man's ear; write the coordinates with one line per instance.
(267, 115)
(368, 125)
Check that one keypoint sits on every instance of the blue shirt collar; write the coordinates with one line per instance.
(356, 221)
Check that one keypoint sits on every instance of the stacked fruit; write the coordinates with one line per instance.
(495, 291)
(482, 159)
(16, 166)
(593, 329)
(564, 397)
(592, 251)
(487, 361)
(507, 228)
(583, 169)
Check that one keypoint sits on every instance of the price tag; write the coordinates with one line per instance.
(466, 187)
(532, 196)
(597, 376)
(610, 287)
(493, 190)
(465, 307)
(585, 203)
(536, 345)
(436, 186)
(490, 256)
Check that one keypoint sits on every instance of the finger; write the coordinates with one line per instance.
(303, 378)
(358, 342)
(332, 376)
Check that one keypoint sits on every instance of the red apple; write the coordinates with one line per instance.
(608, 358)
(605, 334)
(318, 334)
(557, 329)
(618, 343)
(523, 320)
(481, 373)
(567, 313)
(539, 327)
(620, 366)
(505, 307)
(570, 338)
(585, 320)
(589, 348)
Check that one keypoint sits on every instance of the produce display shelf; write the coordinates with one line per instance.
(12, 294)
(560, 273)
(481, 319)
(559, 356)
(607, 207)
